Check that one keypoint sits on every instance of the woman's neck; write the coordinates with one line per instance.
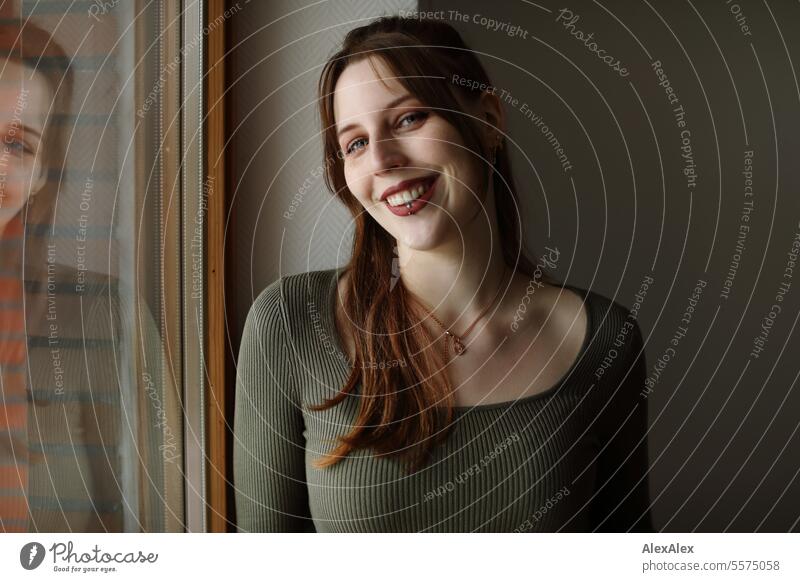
(457, 281)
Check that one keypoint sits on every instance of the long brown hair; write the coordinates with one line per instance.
(406, 410)
(34, 47)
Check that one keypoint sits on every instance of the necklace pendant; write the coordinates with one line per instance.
(458, 346)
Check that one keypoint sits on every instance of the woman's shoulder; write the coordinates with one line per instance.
(297, 299)
(606, 314)
(562, 305)
(613, 338)
(616, 342)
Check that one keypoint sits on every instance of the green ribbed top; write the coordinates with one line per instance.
(572, 458)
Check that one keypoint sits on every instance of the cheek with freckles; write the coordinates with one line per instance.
(15, 190)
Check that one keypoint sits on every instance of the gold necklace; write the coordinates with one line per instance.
(458, 340)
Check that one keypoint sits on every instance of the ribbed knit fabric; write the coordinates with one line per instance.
(572, 458)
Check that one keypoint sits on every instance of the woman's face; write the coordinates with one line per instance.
(24, 103)
(391, 142)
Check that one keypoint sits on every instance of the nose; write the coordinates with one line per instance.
(387, 154)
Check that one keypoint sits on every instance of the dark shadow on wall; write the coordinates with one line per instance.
(657, 143)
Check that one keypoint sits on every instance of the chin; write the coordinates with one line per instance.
(423, 237)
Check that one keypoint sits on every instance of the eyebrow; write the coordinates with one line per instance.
(389, 105)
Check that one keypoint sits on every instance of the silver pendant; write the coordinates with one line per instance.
(458, 346)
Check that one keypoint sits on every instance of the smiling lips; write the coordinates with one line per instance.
(411, 196)
(407, 191)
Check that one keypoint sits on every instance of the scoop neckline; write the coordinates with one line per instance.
(341, 356)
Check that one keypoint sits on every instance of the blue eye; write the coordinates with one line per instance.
(353, 143)
(17, 145)
(413, 116)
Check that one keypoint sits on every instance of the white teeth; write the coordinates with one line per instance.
(406, 196)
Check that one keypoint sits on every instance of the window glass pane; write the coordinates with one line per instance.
(90, 409)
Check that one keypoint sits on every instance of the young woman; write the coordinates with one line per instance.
(30, 144)
(70, 453)
(439, 381)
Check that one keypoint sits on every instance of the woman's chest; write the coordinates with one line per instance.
(519, 366)
(495, 472)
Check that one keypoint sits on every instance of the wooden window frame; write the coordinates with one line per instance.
(218, 364)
